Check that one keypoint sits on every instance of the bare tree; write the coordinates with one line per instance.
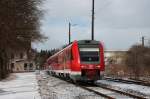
(138, 60)
(19, 26)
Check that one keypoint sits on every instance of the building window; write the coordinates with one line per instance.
(12, 66)
(21, 55)
(17, 69)
(12, 56)
(25, 66)
(31, 66)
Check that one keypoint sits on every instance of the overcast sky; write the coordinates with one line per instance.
(118, 23)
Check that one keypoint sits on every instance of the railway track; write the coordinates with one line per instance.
(109, 92)
(105, 92)
(122, 92)
(97, 92)
(139, 82)
(84, 86)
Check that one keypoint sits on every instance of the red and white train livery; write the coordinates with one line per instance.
(81, 60)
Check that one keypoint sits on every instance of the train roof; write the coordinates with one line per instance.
(80, 42)
(59, 52)
(88, 42)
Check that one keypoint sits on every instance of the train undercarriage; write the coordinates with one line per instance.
(85, 75)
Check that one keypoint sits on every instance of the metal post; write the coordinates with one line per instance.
(69, 32)
(143, 41)
(93, 19)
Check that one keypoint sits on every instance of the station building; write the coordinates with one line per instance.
(19, 62)
(114, 57)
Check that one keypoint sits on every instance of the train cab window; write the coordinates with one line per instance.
(89, 55)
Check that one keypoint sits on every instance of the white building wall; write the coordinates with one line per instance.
(17, 63)
(114, 57)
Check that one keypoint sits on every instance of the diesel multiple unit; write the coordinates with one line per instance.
(80, 61)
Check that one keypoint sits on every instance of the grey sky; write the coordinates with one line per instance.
(118, 23)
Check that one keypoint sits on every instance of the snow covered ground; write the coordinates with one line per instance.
(130, 88)
(20, 86)
(54, 88)
(42, 86)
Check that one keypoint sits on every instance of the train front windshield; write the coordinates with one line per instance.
(90, 55)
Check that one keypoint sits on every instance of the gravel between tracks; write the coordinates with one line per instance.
(54, 88)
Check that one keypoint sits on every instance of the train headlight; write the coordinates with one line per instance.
(83, 66)
(98, 66)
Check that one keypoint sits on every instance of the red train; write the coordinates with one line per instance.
(81, 60)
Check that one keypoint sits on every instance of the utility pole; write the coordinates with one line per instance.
(69, 32)
(143, 41)
(93, 8)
